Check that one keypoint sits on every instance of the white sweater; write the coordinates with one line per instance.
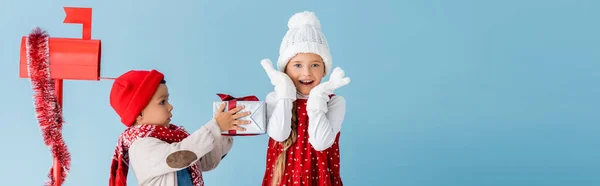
(322, 128)
(148, 156)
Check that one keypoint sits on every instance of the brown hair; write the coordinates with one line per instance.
(279, 167)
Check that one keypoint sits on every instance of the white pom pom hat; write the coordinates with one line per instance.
(304, 36)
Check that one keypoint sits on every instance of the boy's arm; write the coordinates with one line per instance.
(151, 157)
(279, 115)
(221, 147)
(324, 124)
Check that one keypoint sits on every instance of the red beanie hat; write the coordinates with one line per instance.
(132, 91)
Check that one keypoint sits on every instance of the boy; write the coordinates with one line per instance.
(163, 154)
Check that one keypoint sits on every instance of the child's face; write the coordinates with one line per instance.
(158, 110)
(306, 71)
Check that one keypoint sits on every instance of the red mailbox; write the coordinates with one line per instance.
(67, 59)
(71, 58)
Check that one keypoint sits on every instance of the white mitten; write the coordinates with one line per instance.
(284, 87)
(319, 95)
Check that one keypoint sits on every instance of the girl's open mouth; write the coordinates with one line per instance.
(306, 82)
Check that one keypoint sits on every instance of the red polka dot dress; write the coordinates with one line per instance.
(304, 165)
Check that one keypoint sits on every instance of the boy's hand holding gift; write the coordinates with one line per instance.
(319, 96)
(284, 87)
(228, 120)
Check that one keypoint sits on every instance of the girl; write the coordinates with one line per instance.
(305, 117)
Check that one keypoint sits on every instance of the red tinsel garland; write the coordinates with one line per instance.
(47, 107)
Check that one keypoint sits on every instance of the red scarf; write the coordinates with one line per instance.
(120, 161)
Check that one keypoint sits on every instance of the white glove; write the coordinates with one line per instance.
(319, 95)
(284, 87)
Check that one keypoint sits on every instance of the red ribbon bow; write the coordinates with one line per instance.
(231, 104)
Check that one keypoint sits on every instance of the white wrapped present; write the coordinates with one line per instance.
(257, 117)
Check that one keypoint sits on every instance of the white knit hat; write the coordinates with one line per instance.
(304, 36)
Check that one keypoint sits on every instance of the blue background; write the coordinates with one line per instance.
(461, 92)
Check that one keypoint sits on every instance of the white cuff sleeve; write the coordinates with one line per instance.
(324, 126)
(279, 114)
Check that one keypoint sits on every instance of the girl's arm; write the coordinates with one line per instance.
(279, 114)
(325, 121)
(151, 157)
(222, 145)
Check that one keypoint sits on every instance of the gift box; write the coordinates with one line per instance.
(257, 117)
